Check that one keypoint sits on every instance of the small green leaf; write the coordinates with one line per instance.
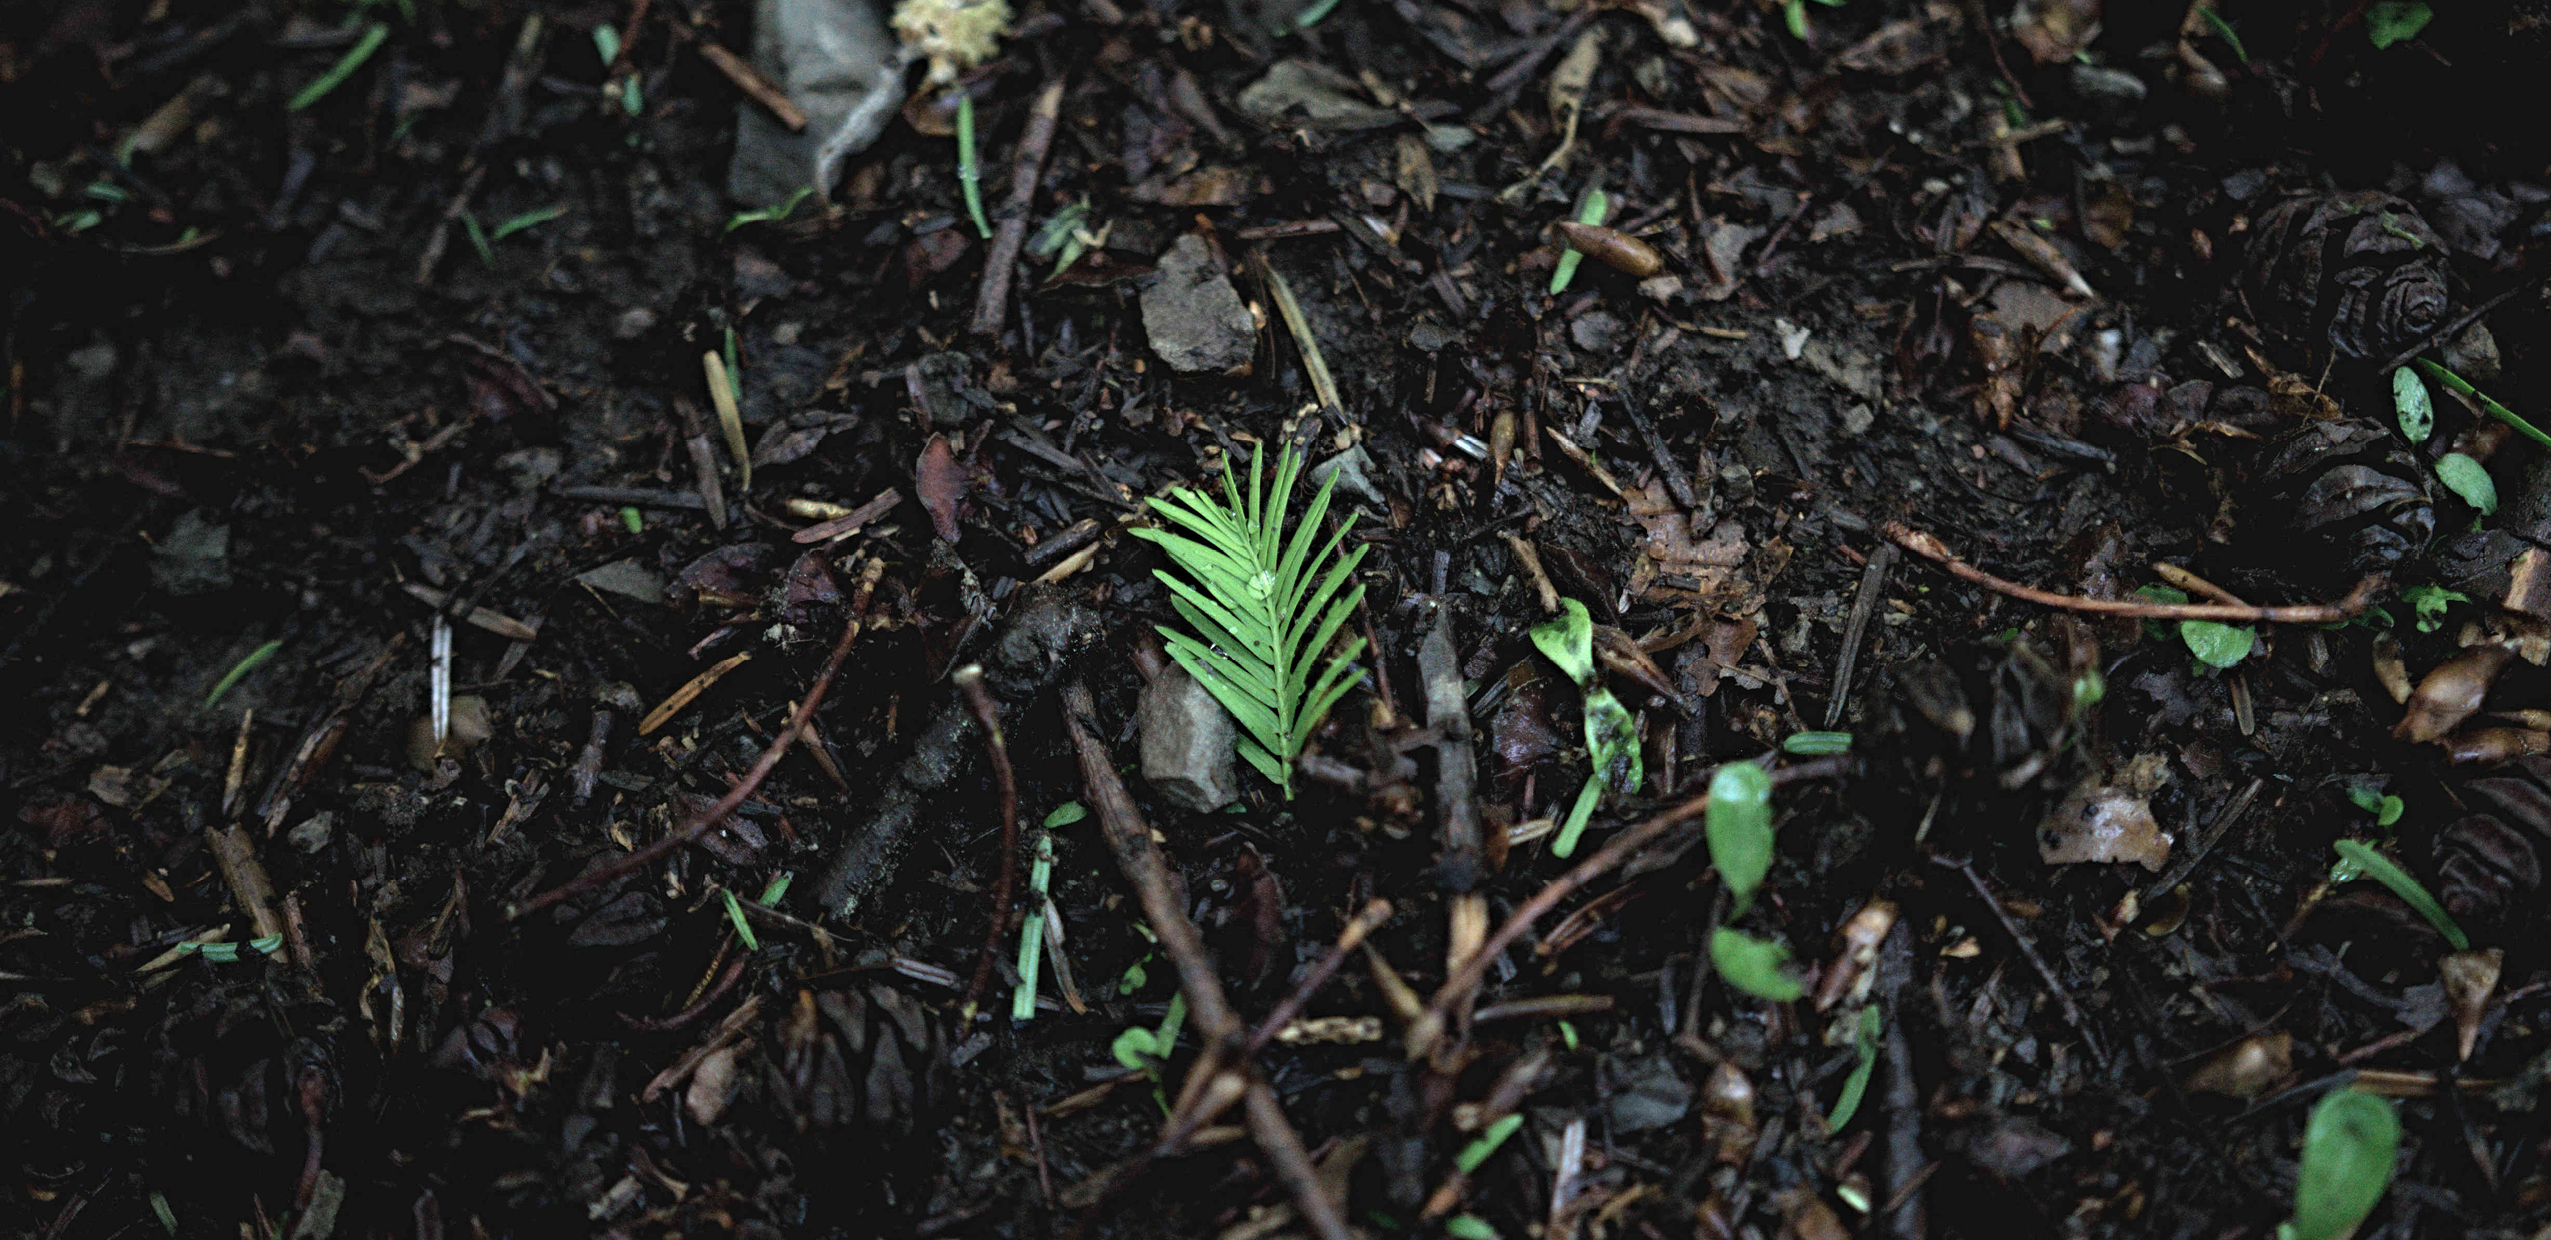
(2384, 870)
(1485, 1145)
(1135, 1049)
(1753, 965)
(633, 520)
(2410, 401)
(2389, 812)
(1057, 229)
(1794, 16)
(1567, 639)
(2430, 602)
(1740, 829)
(1134, 977)
(1459, 1227)
(373, 36)
(1612, 740)
(2224, 28)
(2396, 21)
(743, 928)
(2365, 797)
(1816, 744)
(769, 214)
(478, 239)
(2217, 644)
(2469, 479)
(1568, 1035)
(1066, 814)
(2349, 1147)
(1310, 16)
(2089, 689)
(1855, 1086)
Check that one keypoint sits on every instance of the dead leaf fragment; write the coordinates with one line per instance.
(2451, 693)
(2103, 823)
(2246, 1069)
(2471, 979)
(941, 484)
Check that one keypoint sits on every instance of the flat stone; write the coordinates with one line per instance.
(1187, 740)
(194, 558)
(1193, 315)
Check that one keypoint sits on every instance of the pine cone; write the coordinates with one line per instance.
(2488, 861)
(2347, 488)
(2361, 271)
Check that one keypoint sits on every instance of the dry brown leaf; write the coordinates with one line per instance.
(941, 484)
(2103, 823)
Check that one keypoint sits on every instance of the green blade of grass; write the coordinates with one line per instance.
(2494, 409)
(526, 220)
(969, 171)
(2384, 870)
(256, 659)
(478, 239)
(373, 36)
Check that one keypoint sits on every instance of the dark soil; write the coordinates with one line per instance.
(262, 382)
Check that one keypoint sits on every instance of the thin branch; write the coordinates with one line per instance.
(700, 824)
(988, 714)
(992, 301)
(1129, 837)
(1934, 550)
(1428, 1028)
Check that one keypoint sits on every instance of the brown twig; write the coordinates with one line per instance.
(1934, 550)
(988, 714)
(441, 238)
(992, 299)
(1873, 582)
(1129, 837)
(2063, 997)
(754, 85)
(699, 824)
(1428, 1028)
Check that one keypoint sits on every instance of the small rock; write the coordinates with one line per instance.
(1187, 740)
(633, 322)
(1193, 315)
(1352, 469)
(2473, 354)
(1296, 92)
(2015, 1146)
(1648, 1095)
(314, 831)
(1857, 419)
(194, 558)
(625, 577)
(92, 363)
(2113, 94)
(621, 695)
(529, 468)
(471, 726)
(1598, 332)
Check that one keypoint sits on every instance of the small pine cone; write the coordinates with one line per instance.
(2345, 486)
(2489, 861)
(2360, 271)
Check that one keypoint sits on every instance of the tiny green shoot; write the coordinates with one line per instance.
(2396, 21)
(160, 1209)
(1816, 744)
(1484, 1146)
(2487, 405)
(1469, 1227)
(478, 239)
(768, 215)
(1739, 822)
(1794, 15)
(1261, 610)
(743, 928)
(2349, 1147)
(1312, 13)
(1597, 205)
(256, 659)
(527, 219)
(635, 521)
(2411, 404)
(1856, 1086)
(1753, 965)
(969, 171)
(1040, 878)
(2469, 479)
(1143, 1050)
(775, 890)
(1066, 814)
(1612, 735)
(1568, 1035)
(2430, 602)
(2384, 870)
(606, 43)
(373, 36)
(1058, 229)
(2385, 808)
(2224, 29)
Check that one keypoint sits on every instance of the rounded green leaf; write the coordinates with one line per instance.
(1753, 965)
(2470, 480)
(1568, 640)
(2217, 644)
(2348, 1149)
(1740, 828)
(2411, 403)
(2396, 21)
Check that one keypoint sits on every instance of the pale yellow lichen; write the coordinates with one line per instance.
(951, 34)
